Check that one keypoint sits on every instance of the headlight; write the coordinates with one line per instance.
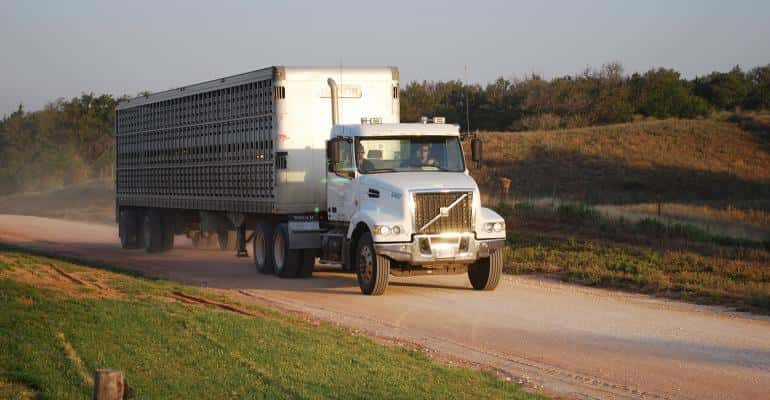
(385, 230)
(490, 227)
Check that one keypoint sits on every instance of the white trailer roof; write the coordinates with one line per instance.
(403, 129)
(277, 72)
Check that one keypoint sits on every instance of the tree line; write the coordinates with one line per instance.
(72, 140)
(593, 97)
(68, 141)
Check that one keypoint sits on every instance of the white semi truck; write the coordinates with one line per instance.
(304, 163)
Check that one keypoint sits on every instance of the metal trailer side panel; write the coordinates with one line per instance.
(252, 143)
(206, 147)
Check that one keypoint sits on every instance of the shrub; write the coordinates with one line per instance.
(577, 213)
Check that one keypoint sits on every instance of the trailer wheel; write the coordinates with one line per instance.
(307, 263)
(372, 270)
(128, 229)
(262, 249)
(198, 241)
(286, 260)
(152, 228)
(168, 226)
(485, 274)
(228, 240)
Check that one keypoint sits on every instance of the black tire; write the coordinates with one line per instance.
(128, 228)
(372, 270)
(307, 263)
(228, 240)
(485, 274)
(153, 231)
(286, 261)
(262, 248)
(168, 226)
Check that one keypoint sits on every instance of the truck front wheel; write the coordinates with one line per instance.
(372, 270)
(485, 274)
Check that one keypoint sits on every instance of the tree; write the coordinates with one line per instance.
(759, 89)
(723, 90)
(661, 93)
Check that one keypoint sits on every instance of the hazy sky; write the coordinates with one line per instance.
(62, 48)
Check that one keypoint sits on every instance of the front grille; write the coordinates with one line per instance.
(428, 206)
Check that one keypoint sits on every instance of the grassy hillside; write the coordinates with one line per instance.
(671, 160)
(60, 321)
(673, 208)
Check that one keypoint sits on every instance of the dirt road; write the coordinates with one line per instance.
(574, 341)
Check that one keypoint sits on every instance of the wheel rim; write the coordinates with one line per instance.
(259, 247)
(366, 264)
(278, 251)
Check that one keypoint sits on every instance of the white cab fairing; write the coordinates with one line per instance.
(303, 124)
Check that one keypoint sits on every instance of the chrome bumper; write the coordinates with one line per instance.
(425, 249)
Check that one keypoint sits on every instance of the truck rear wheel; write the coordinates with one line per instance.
(485, 274)
(262, 248)
(128, 228)
(286, 260)
(307, 263)
(152, 228)
(372, 270)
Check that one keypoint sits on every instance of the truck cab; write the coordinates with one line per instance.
(400, 201)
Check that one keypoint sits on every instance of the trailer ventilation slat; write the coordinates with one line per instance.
(211, 150)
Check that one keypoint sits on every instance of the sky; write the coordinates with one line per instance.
(60, 49)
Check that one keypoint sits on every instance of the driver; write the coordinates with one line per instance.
(362, 163)
(422, 156)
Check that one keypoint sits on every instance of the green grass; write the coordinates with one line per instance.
(170, 349)
(734, 277)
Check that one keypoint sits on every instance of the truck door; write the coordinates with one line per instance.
(340, 179)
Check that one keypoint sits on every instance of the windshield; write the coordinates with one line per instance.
(406, 154)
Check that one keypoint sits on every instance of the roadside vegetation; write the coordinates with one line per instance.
(62, 320)
(673, 208)
(576, 243)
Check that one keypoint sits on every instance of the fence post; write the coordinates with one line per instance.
(505, 187)
(109, 384)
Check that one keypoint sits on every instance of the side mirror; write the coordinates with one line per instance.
(333, 153)
(476, 150)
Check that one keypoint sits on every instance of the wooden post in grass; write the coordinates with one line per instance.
(109, 384)
(505, 186)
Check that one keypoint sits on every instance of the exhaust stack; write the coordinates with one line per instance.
(335, 101)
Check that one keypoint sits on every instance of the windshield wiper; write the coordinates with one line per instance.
(375, 170)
